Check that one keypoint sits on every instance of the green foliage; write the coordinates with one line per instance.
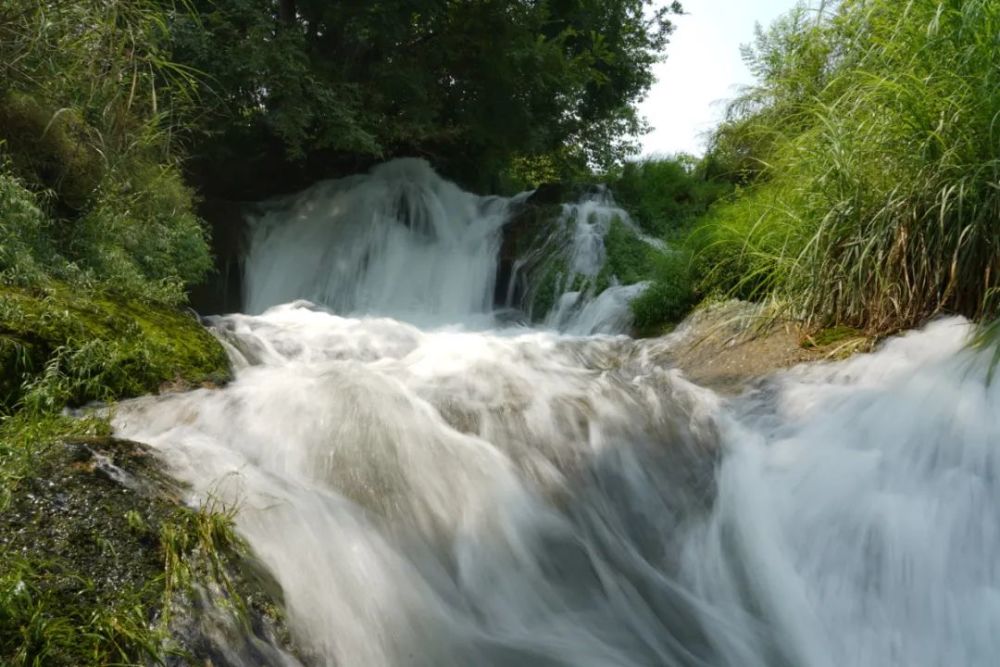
(50, 148)
(528, 172)
(670, 293)
(663, 195)
(141, 238)
(988, 337)
(25, 248)
(741, 246)
(42, 627)
(875, 137)
(91, 110)
(831, 336)
(629, 259)
(300, 89)
(669, 297)
(94, 572)
(794, 61)
(52, 612)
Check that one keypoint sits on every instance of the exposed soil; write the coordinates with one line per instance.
(727, 346)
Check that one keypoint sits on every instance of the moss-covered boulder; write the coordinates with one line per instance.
(59, 346)
(101, 564)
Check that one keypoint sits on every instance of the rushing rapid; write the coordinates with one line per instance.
(432, 487)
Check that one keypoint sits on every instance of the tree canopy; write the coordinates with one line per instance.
(294, 90)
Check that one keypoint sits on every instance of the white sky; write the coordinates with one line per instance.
(703, 69)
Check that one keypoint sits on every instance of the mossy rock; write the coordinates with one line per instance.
(60, 346)
(100, 563)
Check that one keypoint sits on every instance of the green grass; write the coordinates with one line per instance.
(89, 568)
(60, 346)
(91, 110)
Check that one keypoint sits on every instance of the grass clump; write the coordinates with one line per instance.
(669, 297)
(91, 110)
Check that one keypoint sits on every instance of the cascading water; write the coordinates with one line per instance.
(454, 496)
(400, 241)
(586, 224)
(403, 242)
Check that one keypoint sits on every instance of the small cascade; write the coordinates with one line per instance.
(403, 242)
(609, 312)
(399, 241)
(565, 276)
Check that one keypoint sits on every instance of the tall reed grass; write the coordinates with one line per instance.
(880, 205)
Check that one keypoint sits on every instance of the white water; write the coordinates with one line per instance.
(440, 496)
(405, 243)
(579, 311)
(400, 241)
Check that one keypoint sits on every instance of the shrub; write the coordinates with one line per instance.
(669, 297)
(663, 195)
(90, 114)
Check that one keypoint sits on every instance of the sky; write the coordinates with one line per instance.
(702, 70)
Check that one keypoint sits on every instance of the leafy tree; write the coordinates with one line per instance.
(300, 89)
(664, 195)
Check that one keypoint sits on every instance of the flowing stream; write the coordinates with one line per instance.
(432, 484)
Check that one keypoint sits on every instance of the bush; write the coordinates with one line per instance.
(670, 294)
(663, 195)
(669, 297)
(90, 113)
(25, 252)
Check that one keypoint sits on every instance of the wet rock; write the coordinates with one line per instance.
(100, 521)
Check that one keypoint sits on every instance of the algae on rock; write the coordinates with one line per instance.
(100, 562)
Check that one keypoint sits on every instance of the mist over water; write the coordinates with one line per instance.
(430, 487)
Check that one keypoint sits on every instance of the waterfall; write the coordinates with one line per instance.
(432, 493)
(398, 241)
(403, 242)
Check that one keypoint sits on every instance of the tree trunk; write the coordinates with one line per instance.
(286, 11)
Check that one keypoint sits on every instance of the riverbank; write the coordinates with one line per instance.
(726, 346)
